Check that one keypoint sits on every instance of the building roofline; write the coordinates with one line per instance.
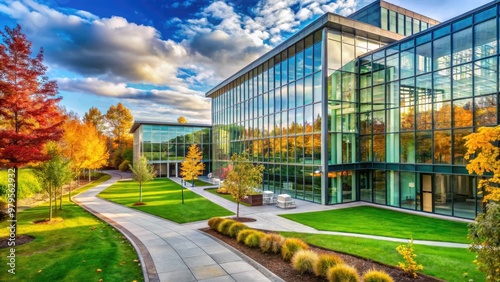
(327, 20)
(433, 28)
(398, 9)
(138, 123)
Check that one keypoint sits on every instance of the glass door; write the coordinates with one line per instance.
(426, 184)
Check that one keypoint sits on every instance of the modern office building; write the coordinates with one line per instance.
(370, 107)
(165, 144)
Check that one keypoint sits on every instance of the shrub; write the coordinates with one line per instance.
(485, 235)
(410, 266)
(242, 235)
(324, 262)
(271, 243)
(224, 226)
(291, 246)
(214, 222)
(377, 276)
(253, 239)
(222, 190)
(124, 165)
(304, 261)
(236, 228)
(342, 273)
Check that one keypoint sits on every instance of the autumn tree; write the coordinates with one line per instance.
(143, 172)
(192, 166)
(53, 174)
(242, 179)
(29, 111)
(83, 146)
(95, 117)
(484, 155)
(182, 119)
(120, 121)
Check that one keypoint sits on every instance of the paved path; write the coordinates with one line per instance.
(169, 251)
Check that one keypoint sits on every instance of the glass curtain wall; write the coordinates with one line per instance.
(273, 113)
(162, 144)
(343, 111)
(438, 87)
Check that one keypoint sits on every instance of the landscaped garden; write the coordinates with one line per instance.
(225, 196)
(383, 222)
(163, 198)
(75, 246)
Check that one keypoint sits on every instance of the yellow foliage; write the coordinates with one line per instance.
(410, 265)
(192, 166)
(484, 156)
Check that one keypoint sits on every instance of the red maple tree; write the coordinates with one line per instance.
(29, 114)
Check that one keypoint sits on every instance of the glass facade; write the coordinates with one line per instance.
(338, 115)
(165, 145)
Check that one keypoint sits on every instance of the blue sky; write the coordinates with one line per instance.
(160, 57)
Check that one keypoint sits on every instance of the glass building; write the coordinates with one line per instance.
(353, 109)
(165, 145)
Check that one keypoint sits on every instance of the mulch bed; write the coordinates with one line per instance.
(285, 271)
(20, 240)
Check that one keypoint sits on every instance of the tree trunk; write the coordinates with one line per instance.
(140, 192)
(89, 175)
(237, 209)
(69, 190)
(50, 204)
(60, 198)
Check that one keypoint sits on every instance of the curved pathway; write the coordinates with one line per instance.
(169, 251)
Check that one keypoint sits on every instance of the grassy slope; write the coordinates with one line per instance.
(377, 221)
(163, 198)
(59, 249)
(446, 263)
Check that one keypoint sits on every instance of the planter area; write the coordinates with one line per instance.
(253, 200)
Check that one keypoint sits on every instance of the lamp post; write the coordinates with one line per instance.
(192, 173)
(182, 193)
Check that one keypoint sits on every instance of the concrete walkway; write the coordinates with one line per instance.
(169, 251)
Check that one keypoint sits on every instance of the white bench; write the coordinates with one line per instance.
(285, 201)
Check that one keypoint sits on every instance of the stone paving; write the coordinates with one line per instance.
(172, 252)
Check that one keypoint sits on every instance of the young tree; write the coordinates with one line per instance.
(192, 166)
(182, 119)
(484, 155)
(242, 179)
(95, 117)
(143, 172)
(29, 111)
(485, 235)
(53, 174)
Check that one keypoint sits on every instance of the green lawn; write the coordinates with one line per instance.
(60, 249)
(225, 196)
(199, 183)
(446, 263)
(382, 222)
(163, 198)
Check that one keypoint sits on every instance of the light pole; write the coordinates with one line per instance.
(192, 173)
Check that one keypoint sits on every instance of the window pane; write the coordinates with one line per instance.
(407, 147)
(407, 64)
(392, 68)
(485, 39)
(424, 147)
(462, 46)
(486, 108)
(442, 115)
(462, 113)
(366, 148)
(379, 148)
(379, 186)
(407, 118)
(442, 146)
(392, 148)
(462, 81)
(459, 148)
(442, 85)
(485, 76)
(442, 53)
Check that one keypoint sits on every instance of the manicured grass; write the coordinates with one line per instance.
(225, 196)
(382, 222)
(446, 263)
(60, 249)
(163, 198)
